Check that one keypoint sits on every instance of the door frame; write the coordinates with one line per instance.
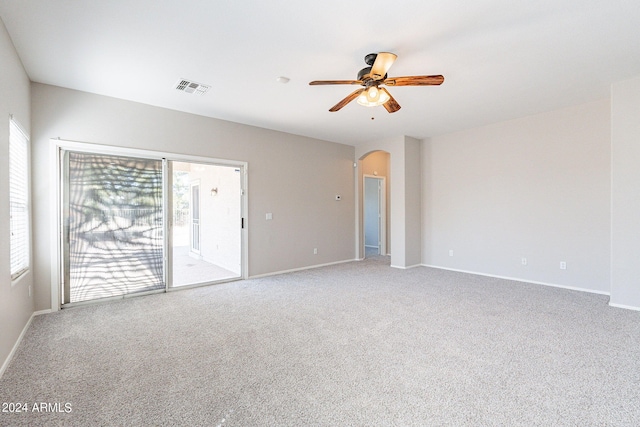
(382, 208)
(56, 148)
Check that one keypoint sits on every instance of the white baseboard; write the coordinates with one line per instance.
(15, 346)
(553, 285)
(407, 267)
(47, 311)
(275, 273)
(19, 340)
(628, 307)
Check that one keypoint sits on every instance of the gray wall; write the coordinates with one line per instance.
(294, 177)
(535, 187)
(413, 201)
(625, 200)
(16, 306)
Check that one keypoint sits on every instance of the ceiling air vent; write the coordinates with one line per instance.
(192, 87)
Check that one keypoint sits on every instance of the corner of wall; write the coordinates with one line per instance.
(625, 175)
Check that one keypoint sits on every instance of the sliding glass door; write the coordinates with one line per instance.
(206, 233)
(133, 225)
(114, 226)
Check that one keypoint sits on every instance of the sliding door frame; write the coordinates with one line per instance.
(58, 146)
(169, 249)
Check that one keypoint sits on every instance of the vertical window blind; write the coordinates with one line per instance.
(18, 199)
(115, 219)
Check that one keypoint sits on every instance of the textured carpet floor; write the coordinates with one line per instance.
(357, 344)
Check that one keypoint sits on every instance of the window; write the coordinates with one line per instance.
(18, 199)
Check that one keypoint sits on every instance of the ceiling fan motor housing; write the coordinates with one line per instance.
(370, 58)
(362, 74)
(365, 76)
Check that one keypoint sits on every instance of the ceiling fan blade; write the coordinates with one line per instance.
(383, 62)
(414, 81)
(391, 105)
(347, 100)
(335, 82)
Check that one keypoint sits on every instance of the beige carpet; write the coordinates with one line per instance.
(358, 344)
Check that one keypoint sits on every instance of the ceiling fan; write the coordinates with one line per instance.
(372, 77)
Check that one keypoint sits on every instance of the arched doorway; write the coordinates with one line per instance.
(404, 198)
(374, 179)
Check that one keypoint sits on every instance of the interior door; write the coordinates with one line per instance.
(372, 214)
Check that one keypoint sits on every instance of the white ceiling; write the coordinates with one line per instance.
(501, 59)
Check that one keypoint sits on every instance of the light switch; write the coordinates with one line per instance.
(269, 216)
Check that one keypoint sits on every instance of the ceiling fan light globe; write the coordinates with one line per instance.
(362, 100)
(367, 101)
(372, 94)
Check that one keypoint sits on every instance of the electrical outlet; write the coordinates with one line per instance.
(315, 251)
(563, 265)
(524, 261)
(450, 252)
